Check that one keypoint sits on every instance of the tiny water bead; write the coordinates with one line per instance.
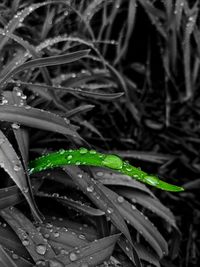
(15, 256)
(41, 263)
(55, 263)
(90, 189)
(120, 199)
(72, 256)
(15, 126)
(83, 150)
(17, 167)
(25, 242)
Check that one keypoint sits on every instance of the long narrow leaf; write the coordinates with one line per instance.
(13, 166)
(37, 118)
(42, 62)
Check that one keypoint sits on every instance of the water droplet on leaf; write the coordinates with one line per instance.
(15, 126)
(113, 162)
(90, 189)
(73, 256)
(25, 242)
(41, 249)
(152, 180)
(120, 199)
(17, 168)
(83, 150)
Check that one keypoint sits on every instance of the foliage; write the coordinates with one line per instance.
(60, 60)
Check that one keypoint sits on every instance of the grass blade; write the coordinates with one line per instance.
(5, 259)
(140, 223)
(13, 166)
(37, 118)
(43, 62)
(77, 205)
(34, 242)
(92, 254)
(100, 195)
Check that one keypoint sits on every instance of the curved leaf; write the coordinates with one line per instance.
(42, 62)
(92, 254)
(10, 162)
(77, 205)
(30, 237)
(5, 259)
(37, 118)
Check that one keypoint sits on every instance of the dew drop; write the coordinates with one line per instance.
(128, 168)
(55, 263)
(61, 151)
(120, 199)
(25, 190)
(113, 162)
(73, 256)
(133, 207)
(109, 210)
(93, 152)
(41, 263)
(83, 150)
(2, 140)
(17, 168)
(56, 234)
(27, 107)
(100, 174)
(81, 236)
(15, 256)
(46, 235)
(152, 180)
(15, 126)
(25, 242)
(90, 189)
(133, 200)
(41, 249)
(69, 157)
(4, 101)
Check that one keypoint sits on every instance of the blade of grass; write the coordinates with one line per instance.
(13, 166)
(92, 254)
(37, 118)
(42, 62)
